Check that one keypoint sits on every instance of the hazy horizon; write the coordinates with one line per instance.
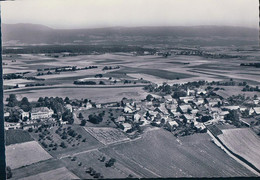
(88, 14)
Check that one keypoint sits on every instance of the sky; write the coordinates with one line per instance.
(74, 14)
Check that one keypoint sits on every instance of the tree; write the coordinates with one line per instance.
(149, 97)
(95, 119)
(14, 116)
(9, 173)
(67, 100)
(110, 163)
(234, 117)
(80, 116)
(12, 100)
(25, 104)
(101, 83)
(63, 145)
(68, 116)
(83, 122)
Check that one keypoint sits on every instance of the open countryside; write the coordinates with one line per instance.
(97, 111)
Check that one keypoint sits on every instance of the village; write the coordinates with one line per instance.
(182, 109)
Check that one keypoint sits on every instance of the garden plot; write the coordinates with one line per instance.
(107, 135)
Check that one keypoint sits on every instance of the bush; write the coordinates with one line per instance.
(83, 122)
(9, 173)
(110, 163)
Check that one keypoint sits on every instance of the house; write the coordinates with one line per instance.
(201, 91)
(98, 106)
(88, 105)
(128, 109)
(9, 125)
(24, 114)
(168, 98)
(187, 99)
(126, 126)
(188, 117)
(199, 126)
(251, 111)
(41, 113)
(6, 115)
(172, 124)
(190, 92)
(212, 102)
(33, 126)
(184, 108)
(137, 117)
(199, 101)
(69, 107)
(222, 114)
(257, 110)
(231, 107)
(120, 119)
(256, 101)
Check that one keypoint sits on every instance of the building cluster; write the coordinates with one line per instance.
(198, 108)
(32, 119)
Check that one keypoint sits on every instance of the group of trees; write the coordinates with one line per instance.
(95, 119)
(68, 116)
(85, 82)
(233, 116)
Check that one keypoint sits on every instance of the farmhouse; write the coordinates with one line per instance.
(41, 113)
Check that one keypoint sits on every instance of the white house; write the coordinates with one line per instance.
(187, 99)
(172, 124)
(257, 110)
(41, 113)
(69, 107)
(120, 119)
(184, 108)
(126, 126)
(9, 125)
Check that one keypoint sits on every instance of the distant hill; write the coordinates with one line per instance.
(39, 34)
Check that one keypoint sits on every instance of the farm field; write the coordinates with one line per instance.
(243, 142)
(18, 155)
(107, 135)
(159, 153)
(16, 136)
(98, 95)
(91, 159)
(37, 168)
(57, 174)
